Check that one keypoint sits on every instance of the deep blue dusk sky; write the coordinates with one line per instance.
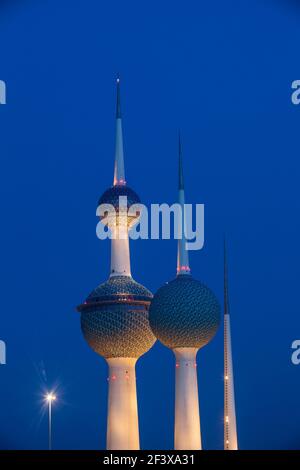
(222, 71)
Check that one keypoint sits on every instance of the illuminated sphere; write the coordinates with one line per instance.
(115, 318)
(184, 313)
(111, 196)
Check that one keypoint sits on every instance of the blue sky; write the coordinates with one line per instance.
(222, 72)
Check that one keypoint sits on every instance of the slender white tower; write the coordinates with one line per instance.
(114, 317)
(230, 432)
(184, 315)
(187, 432)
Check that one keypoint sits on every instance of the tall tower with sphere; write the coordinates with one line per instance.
(230, 431)
(114, 317)
(184, 315)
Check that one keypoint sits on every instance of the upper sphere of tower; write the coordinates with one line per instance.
(184, 313)
(114, 196)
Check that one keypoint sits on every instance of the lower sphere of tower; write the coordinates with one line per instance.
(114, 319)
(184, 313)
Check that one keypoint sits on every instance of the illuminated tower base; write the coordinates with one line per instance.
(122, 419)
(187, 416)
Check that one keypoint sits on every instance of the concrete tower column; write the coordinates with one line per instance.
(230, 431)
(120, 255)
(187, 415)
(122, 418)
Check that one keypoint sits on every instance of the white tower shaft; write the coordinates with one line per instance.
(120, 254)
(230, 432)
(187, 415)
(122, 419)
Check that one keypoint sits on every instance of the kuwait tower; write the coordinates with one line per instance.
(114, 317)
(230, 433)
(185, 315)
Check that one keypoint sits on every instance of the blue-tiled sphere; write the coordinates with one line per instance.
(184, 313)
(111, 196)
(115, 318)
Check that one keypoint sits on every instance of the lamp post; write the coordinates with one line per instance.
(50, 397)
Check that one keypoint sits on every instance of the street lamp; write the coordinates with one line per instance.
(50, 397)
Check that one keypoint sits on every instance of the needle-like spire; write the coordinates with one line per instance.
(183, 266)
(118, 109)
(119, 172)
(226, 299)
(180, 172)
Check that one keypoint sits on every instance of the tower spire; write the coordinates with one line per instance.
(230, 432)
(118, 109)
(119, 171)
(180, 169)
(183, 266)
(226, 299)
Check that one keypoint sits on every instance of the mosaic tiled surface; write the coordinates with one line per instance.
(118, 329)
(120, 285)
(184, 313)
(111, 196)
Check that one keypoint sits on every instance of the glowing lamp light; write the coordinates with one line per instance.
(227, 419)
(227, 442)
(177, 365)
(50, 397)
(226, 377)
